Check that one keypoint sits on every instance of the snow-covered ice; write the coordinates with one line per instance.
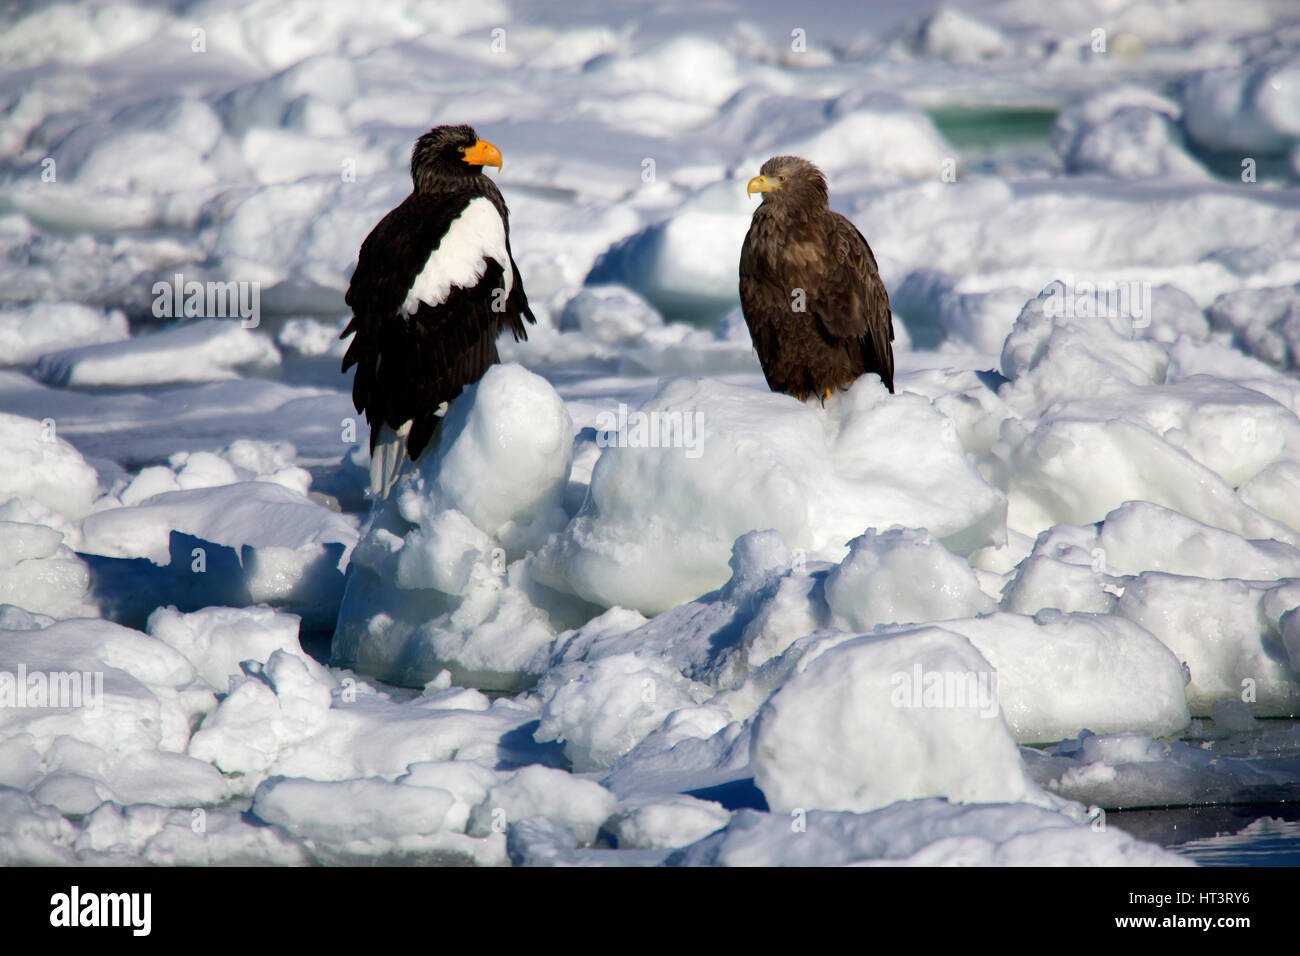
(632, 608)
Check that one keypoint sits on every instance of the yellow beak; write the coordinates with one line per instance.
(483, 153)
(760, 184)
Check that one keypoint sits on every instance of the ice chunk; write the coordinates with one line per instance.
(42, 466)
(922, 833)
(1077, 471)
(32, 834)
(440, 579)
(685, 266)
(760, 460)
(843, 732)
(901, 576)
(502, 459)
(1060, 673)
(1220, 630)
(1275, 491)
(661, 823)
(1264, 323)
(581, 805)
(254, 513)
(1248, 109)
(1072, 341)
(601, 710)
(1132, 770)
(933, 306)
(954, 35)
(91, 699)
(1126, 133)
(687, 68)
(188, 837)
(608, 313)
(217, 639)
(208, 350)
(28, 333)
(1140, 536)
(40, 574)
(1041, 581)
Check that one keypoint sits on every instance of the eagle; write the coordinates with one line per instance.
(435, 285)
(810, 289)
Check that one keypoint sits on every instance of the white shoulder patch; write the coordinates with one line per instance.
(474, 237)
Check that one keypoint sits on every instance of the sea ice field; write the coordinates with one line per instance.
(633, 608)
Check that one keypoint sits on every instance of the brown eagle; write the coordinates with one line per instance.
(435, 284)
(809, 287)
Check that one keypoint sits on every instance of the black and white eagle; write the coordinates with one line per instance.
(434, 287)
(810, 289)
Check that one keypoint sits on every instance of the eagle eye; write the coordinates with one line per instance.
(780, 179)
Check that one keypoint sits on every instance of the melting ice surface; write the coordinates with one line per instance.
(1062, 562)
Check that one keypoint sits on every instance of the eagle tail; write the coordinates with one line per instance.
(387, 459)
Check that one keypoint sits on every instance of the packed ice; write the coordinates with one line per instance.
(631, 607)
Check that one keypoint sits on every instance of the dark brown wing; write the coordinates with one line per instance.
(850, 301)
(765, 306)
(844, 328)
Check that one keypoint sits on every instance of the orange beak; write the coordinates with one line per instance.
(483, 153)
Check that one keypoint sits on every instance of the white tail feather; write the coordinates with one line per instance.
(388, 459)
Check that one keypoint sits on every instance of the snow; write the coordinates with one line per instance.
(44, 468)
(1127, 133)
(40, 571)
(666, 823)
(1220, 630)
(454, 539)
(901, 576)
(957, 37)
(768, 461)
(1262, 322)
(123, 737)
(886, 683)
(919, 833)
(608, 313)
(183, 837)
(1118, 676)
(629, 595)
(26, 334)
(218, 639)
(206, 351)
(1253, 108)
(258, 514)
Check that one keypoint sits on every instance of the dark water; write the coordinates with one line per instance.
(1262, 832)
(1250, 835)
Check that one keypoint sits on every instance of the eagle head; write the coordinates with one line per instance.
(449, 153)
(789, 179)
